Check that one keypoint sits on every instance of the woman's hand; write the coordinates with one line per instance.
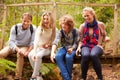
(52, 57)
(100, 46)
(78, 51)
(46, 46)
(107, 39)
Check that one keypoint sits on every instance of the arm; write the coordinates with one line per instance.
(53, 35)
(102, 32)
(12, 39)
(81, 32)
(55, 45)
(52, 57)
(76, 40)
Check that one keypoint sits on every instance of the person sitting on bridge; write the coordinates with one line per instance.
(68, 38)
(44, 37)
(92, 33)
(20, 42)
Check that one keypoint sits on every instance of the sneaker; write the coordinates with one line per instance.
(16, 78)
(39, 78)
(33, 78)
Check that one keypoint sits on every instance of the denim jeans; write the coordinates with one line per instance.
(92, 55)
(64, 61)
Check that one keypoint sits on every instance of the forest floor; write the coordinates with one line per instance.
(109, 73)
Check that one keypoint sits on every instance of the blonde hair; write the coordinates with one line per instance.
(50, 17)
(90, 10)
(28, 15)
(67, 20)
(51, 24)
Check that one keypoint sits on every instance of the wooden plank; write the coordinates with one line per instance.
(105, 59)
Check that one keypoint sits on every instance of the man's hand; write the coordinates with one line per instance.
(26, 54)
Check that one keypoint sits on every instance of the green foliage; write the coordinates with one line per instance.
(46, 68)
(6, 65)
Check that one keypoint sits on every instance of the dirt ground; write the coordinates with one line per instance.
(109, 72)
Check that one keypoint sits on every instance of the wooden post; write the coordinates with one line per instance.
(54, 11)
(115, 30)
(37, 23)
(15, 13)
(115, 37)
(3, 28)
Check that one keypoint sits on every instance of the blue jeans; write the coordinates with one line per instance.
(92, 55)
(64, 61)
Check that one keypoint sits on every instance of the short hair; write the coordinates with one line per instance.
(67, 20)
(28, 15)
(89, 9)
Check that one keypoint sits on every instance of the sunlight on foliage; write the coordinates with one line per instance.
(46, 68)
(6, 65)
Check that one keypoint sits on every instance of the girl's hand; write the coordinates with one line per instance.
(70, 50)
(52, 57)
(78, 51)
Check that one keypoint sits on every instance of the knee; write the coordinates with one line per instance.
(85, 56)
(58, 57)
(39, 56)
(69, 57)
(93, 55)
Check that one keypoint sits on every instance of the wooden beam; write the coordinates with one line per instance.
(105, 59)
(60, 3)
(84, 4)
(29, 4)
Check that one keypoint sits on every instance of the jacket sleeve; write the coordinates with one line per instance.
(12, 38)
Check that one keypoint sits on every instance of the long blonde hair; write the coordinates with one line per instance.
(50, 17)
(51, 23)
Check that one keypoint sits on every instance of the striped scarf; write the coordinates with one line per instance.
(87, 41)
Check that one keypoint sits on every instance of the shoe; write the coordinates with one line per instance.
(33, 78)
(16, 78)
(39, 78)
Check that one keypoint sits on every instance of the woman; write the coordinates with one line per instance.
(68, 36)
(92, 33)
(44, 37)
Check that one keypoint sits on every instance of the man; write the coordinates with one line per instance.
(20, 42)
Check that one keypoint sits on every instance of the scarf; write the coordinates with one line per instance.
(87, 41)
